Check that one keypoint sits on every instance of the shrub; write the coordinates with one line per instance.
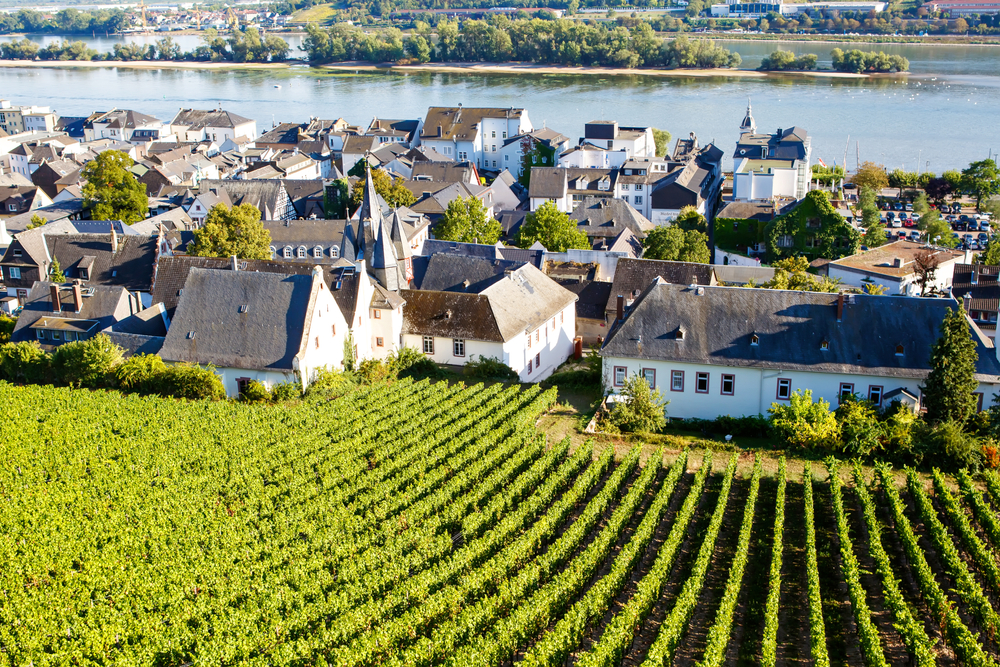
(6, 328)
(255, 392)
(991, 455)
(191, 381)
(371, 371)
(948, 446)
(860, 430)
(642, 411)
(756, 426)
(578, 379)
(490, 368)
(804, 424)
(286, 391)
(24, 362)
(327, 382)
(408, 362)
(87, 363)
(900, 425)
(140, 373)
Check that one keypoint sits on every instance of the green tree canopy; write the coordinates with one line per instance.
(56, 274)
(553, 228)
(871, 175)
(981, 180)
(232, 231)
(394, 193)
(111, 191)
(672, 243)
(991, 253)
(662, 140)
(938, 231)
(466, 221)
(948, 391)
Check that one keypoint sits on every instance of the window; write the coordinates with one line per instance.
(529, 366)
(728, 385)
(334, 251)
(529, 341)
(11, 207)
(638, 187)
(14, 273)
(379, 342)
(875, 394)
(493, 149)
(506, 158)
(462, 155)
(785, 241)
(40, 333)
(302, 252)
(84, 274)
(754, 339)
(428, 344)
(611, 143)
(273, 252)
(494, 135)
(538, 360)
(846, 389)
(701, 383)
(242, 384)
(317, 342)
(620, 375)
(676, 380)
(287, 252)
(562, 317)
(638, 201)
(333, 329)
(504, 135)
(537, 334)
(784, 389)
(680, 334)
(377, 314)
(650, 376)
(824, 345)
(458, 347)
(624, 187)
(317, 251)
(69, 336)
(17, 252)
(899, 350)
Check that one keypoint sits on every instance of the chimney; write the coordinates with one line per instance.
(621, 308)
(54, 296)
(967, 302)
(77, 296)
(897, 262)
(114, 239)
(840, 307)
(234, 263)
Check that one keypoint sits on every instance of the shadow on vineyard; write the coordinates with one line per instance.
(421, 523)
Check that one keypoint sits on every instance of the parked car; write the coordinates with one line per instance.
(890, 215)
(973, 245)
(956, 208)
(896, 223)
(898, 206)
(909, 207)
(983, 238)
(959, 226)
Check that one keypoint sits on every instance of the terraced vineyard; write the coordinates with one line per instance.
(422, 524)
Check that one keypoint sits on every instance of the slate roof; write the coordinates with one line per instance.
(208, 327)
(788, 144)
(983, 287)
(607, 217)
(121, 118)
(490, 252)
(458, 273)
(444, 172)
(284, 134)
(104, 304)
(718, 323)
(632, 276)
(450, 315)
(592, 296)
(131, 266)
(880, 261)
(196, 119)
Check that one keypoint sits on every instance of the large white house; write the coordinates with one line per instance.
(714, 351)
(474, 134)
(269, 327)
(523, 318)
(769, 166)
(216, 125)
(122, 125)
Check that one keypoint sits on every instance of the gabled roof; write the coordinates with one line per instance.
(608, 217)
(460, 123)
(104, 304)
(195, 119)
(121, 118)
(239, 319)
(130, 266)
(718, 323)
(458, 273)
(632, 276)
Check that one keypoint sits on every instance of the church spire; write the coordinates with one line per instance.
(748, 126)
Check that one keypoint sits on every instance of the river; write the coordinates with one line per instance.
(942, 116)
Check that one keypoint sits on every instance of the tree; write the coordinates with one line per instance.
(7, 324)
(925, 265)
(662, 140)
(394, 193)
(937, 230)
(689, 218)
(466, 221)
(56, 274)
(871, 220)
(111, 191)
(991, 254)
(671, 243)
(920, 205)
(553, 229)
(36, 221)
(871, 175)
(948, 391)
(642, 411)
(335, 199)
(981, 180)
(232, 231)
(938, 188)
(87, 363)
(805, 424)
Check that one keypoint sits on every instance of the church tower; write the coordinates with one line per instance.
(748, 126)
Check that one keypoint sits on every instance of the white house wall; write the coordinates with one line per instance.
(755, 389)
(326, 330)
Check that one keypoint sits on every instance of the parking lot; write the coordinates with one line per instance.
(973, 230)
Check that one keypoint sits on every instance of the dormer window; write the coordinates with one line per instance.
(334, 251)
(302, 252)
(824, 345)
(274, 252)
(318, 251)
(288, 252)
(899, 350)
(754, 339)
(17, 252)
(680, 334)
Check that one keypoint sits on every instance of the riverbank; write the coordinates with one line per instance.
(535, 68)
(143, 64)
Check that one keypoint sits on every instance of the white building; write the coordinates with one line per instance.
(894, 267)
(216, 125)
(769, 166)
(714, 351)
(270, 327)
(524, 319)
(474, 134)
(122, 125)
(607, 135)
